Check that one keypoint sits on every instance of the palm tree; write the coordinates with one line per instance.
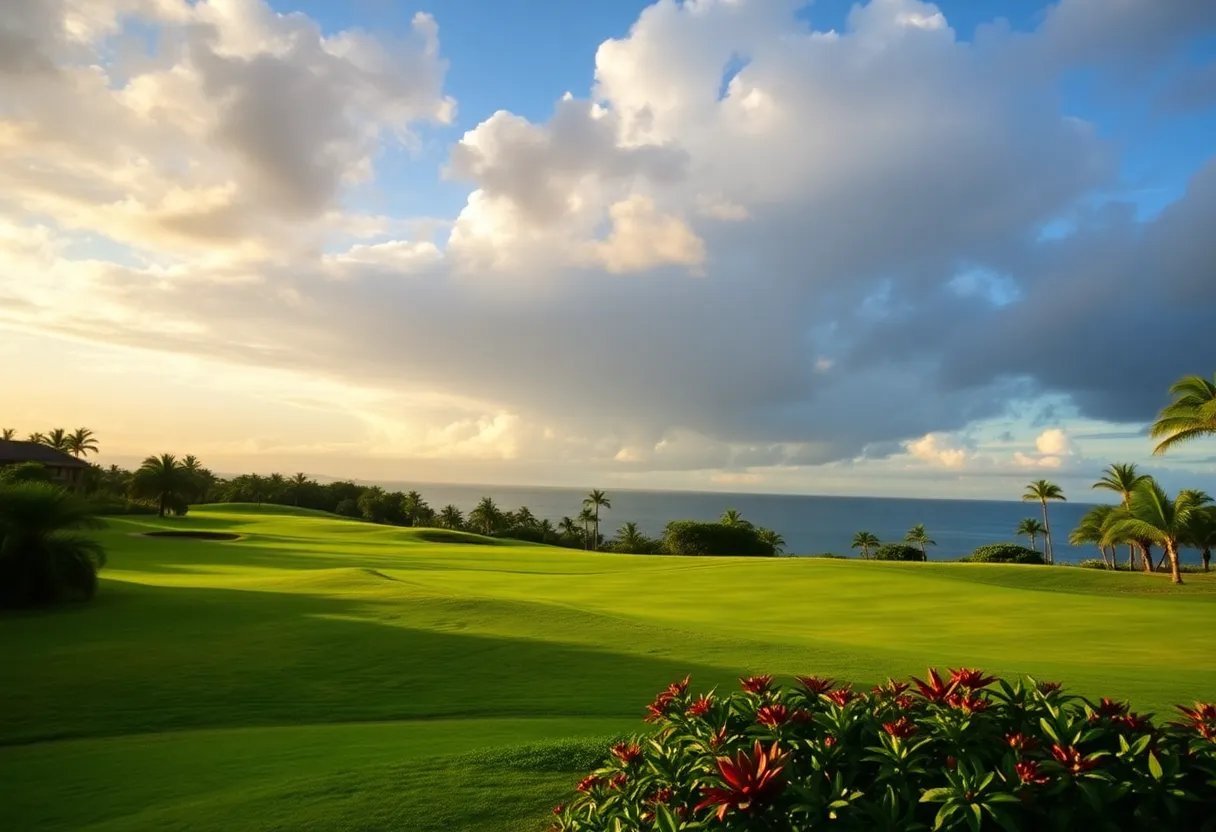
(1201, 533)
(587, 518)
(1191, 415)
(629, 540)
(1031, 528)
(43, 558)
(298, 483)
(81, 442)
(163, 479)
(1042, 491)
(451, 518)
(58, 439)
(771, 538)
(547, 532)
(595, 500)
(568, 528)
(486, 516)
(276, 485)
(7, 434)
(524, 517)
(731, 517)
(865, 541)
(36, 438)
(1121, 478)
(1154, 517)
(1093, 528)
(917, 536)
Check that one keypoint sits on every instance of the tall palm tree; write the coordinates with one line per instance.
(451, 518)
(1201, 533)
(731, 517)
(162, 478)
(298, 483)
(81, 442)
(596, 500)
(865, 541)
(7, 434)
(1093, 528)
(1121, 478)
(486, 516)
(772, 539)
(917, 536)
(1151, 515)
(43, 557)
(1191, 415)
(1031, 528)
(1042, 491)
(525, 518)
(588, 519)
(629, 540)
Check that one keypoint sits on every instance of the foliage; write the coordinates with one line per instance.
(25, 472)
(828, 556)
(1041, 491)
(958, 752)
(1005, 553)
(1152, 517)
(630, 541)
(43, 556)
(917, 536)
(690, 537)
(865, 541)
(898, 551)
(1191, 415)
(111, 507)
(1031, 528)
(167, 481)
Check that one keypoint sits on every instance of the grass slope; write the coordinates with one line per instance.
(320, 673)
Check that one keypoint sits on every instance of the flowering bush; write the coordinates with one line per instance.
(959, 751)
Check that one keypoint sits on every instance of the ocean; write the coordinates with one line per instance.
(809, 524)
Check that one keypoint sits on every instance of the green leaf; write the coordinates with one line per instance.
(944, 814)
(936, 795)
(1154, 766)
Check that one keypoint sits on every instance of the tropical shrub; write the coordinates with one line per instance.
(111, 507)
(25, 472)
(1004, 553)
(828, 556)
(897, 551)
(43, 558)
(1093, 563)
(958, 752)
(689, 537)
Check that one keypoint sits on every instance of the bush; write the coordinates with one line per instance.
(43, 559)
(1094, 563)
(111, 507)
(828, 556)
(1005, 553)
(955, 753)
(898, 551)
(689, 537)
(25, 472)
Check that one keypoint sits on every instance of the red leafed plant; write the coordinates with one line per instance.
(961, 751)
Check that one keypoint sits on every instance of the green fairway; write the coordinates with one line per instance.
(319, 673)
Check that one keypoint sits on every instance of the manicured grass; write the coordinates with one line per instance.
(319, 673)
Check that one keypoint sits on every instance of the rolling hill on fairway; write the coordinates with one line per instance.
(318, 673)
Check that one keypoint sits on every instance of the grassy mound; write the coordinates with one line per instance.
(305, 674)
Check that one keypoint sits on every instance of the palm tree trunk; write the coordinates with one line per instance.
(1146, 557)
(1164, 557)
(595, 544)
(1175, 571)
(1048, 549)
(162, 504)
(1207, 558)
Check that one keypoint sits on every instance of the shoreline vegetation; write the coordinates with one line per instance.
(1146, 520)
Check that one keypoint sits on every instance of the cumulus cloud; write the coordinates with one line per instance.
(665, 274)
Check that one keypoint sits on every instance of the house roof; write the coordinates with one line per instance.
(16, 452)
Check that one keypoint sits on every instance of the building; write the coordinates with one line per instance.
(64, 468)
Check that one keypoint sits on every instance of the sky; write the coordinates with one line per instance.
(878, 248)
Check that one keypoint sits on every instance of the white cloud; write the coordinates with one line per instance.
(825, 204)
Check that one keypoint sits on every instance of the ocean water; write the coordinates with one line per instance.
(809, 524)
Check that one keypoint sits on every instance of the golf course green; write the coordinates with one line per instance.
(314, 673)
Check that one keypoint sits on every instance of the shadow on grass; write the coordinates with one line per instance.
(146, 658)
